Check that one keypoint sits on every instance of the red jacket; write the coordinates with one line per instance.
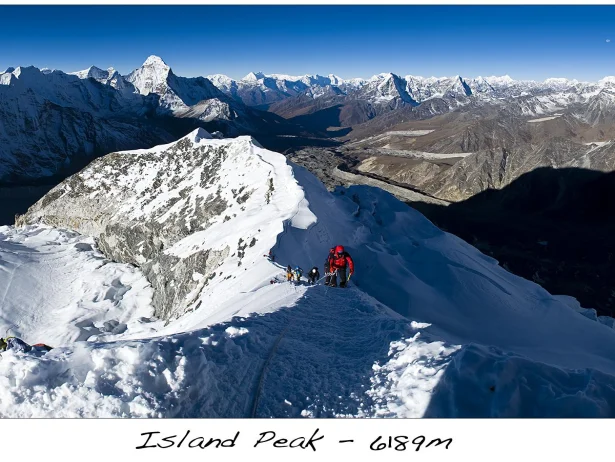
(336, 262)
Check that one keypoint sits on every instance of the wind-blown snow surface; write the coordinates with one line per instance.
(429, 327)
(56, 288)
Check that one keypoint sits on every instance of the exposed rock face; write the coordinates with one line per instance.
(173, 210)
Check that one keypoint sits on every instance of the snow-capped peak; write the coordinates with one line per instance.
(498, 80)
(28, 71)
(335, 79)
(254, 76)
(290, 78)
(197, 135)
(151, 77)
(154, 60)
(381, 76)
(560, 81)
(91, 72)
(609, 79)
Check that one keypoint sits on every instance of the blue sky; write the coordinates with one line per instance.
(526, 42)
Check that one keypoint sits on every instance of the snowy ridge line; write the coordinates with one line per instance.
(433, 328)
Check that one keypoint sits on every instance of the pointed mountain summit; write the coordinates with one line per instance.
(254, 76)
(151, 77)
(154, 60)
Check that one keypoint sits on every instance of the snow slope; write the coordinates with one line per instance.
(429, 327)
(57, 288)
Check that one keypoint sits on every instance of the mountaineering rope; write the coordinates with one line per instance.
(330, 274)
(259, 388)
(274, 348)
(326, 275)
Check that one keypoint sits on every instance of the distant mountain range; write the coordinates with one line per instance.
(52, 121)
(257, 88)
(357, 101)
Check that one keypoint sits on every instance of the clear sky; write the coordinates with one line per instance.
(525, 42)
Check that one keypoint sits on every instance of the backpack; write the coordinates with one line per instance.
(14, 343)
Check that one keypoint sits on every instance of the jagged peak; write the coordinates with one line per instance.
(335, 79)
(9, 70)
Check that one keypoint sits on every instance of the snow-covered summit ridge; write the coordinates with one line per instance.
(428, 321)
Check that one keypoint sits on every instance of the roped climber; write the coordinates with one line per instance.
(338, 264)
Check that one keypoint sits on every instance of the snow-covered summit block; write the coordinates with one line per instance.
(151, 77)
(254, 76)
(154, 60)
(198, 135)
(194, 205)
(26, 72)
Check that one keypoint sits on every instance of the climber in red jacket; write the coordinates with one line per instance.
(337, 265)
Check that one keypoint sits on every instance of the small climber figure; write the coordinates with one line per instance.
(289, 273)
(313, 275)
(338, 264)
(298, 272)
(17, 344)
(327, 269)
(270, 256)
